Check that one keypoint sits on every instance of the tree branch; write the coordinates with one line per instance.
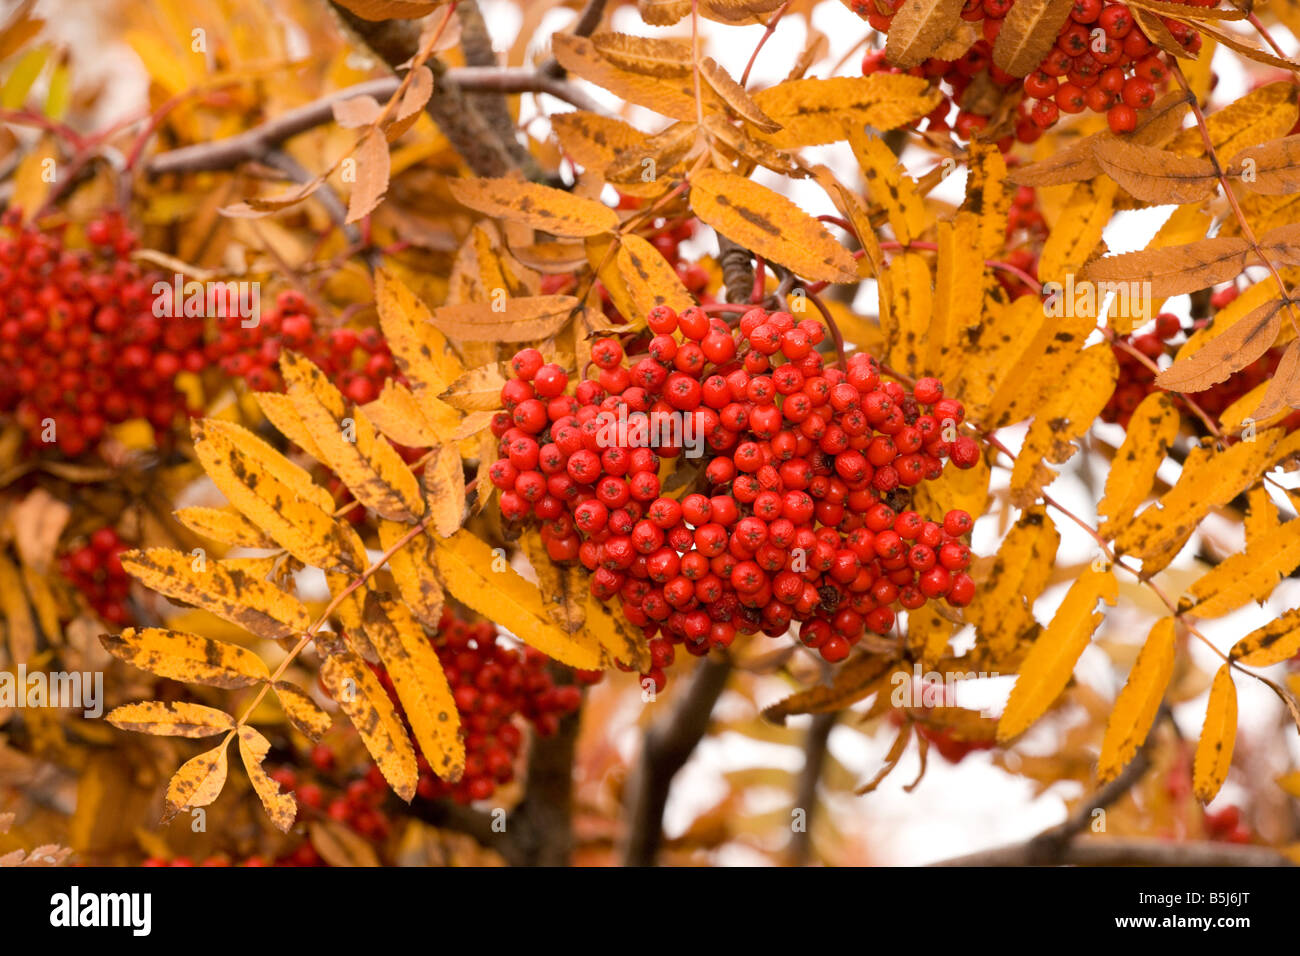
(814, 759)
(476, 44)
(540, 829)
(667, 745)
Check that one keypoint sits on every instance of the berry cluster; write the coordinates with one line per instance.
(95, 569)
(1102, 61)
(1226, 826)
(357, 361)
(493, 685)
(809, 471)
(79, 343)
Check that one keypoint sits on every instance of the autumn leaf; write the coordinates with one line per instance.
(852, 681)
(421, 352)
(1028, 34)
(198, 782)
(1218, 735)
(817, 111)
(1271, 168)
(1156, 175)
(373, 164)
(484, 582)
(479, 389)
(281, 807)
(653, 56)
(509, 319)
(390, 9)
(919, 28)
(1002, 611)
(173, 718)
(1138, 703)
(17, 613)
(1275, 642)
(1047, 667)
(1175, 270)
(225, 525)
(187, 657)
(228, 592)
(734, 95)
(370, 467)
(421, 685)
(305, 715)
(888, 186)
(1250, 575)
(770, 225)
(1240, 344)
(542, 207)
(363, 699)
(650, 279)
(1151, 431)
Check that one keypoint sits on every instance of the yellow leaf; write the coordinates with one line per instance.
(18, 618)
(541, 207)
(420, 350)
(988, 196)
(444, 489)
(302, 711)
(1028, 33)
(478, 390)
(734, 95)
(1035, 375)
(281, 412)
(225, 525)
(653, 56)
(1151, 432)
(187, 657)
(649, 278)
(958, 289)
(888, 186)
(910, 311)
(398, 414)
(340, 846)
(1265, 113)
(670, 96)
(813, 112)
(1275, 642)
(363, 459)
(198, 782)
(1047, 667)
(281, 807)
(1139, 701)
(616, 634)
(170, 718)
(591, 140)
(228, 592)
(770, 225)
(1075, 235)
(415, 572)
(507, 319)
(1066, 417)
(257, 480)
(1003, 607)
(364, 700)
(1218, 735)
(1249, 576)
(1176, 269)
(420, 683)
(484, 582)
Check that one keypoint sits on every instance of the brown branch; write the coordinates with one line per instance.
(667, 745)
(254, 145)
(814, 759)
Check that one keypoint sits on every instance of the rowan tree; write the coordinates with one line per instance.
(421, 402)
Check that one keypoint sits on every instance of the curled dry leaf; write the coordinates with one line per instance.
(653, 56)
(734, 95)
(919, 28)
(1028, 34)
